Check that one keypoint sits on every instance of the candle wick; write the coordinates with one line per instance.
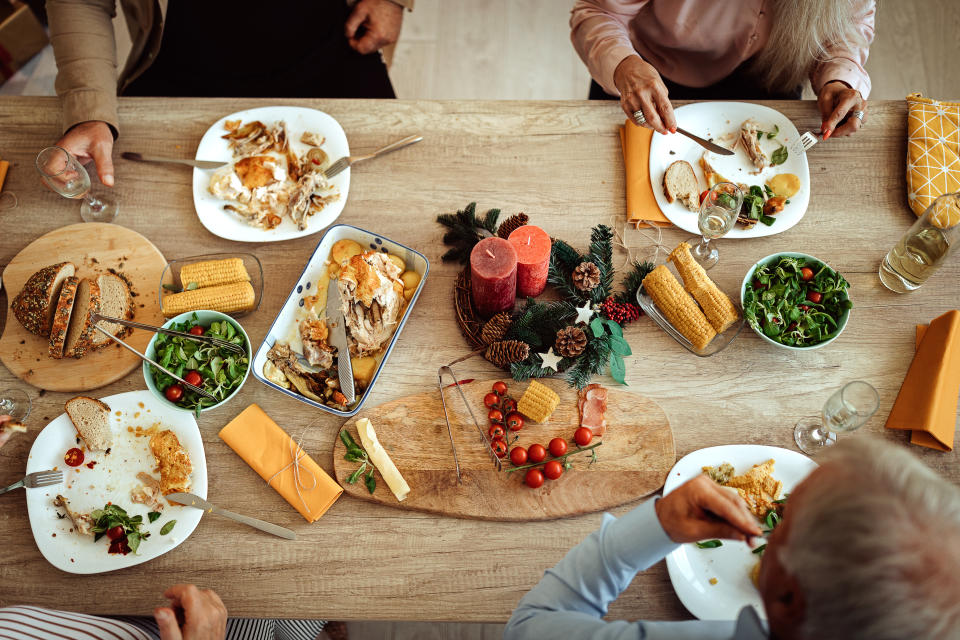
(490, 253)
(528, 239)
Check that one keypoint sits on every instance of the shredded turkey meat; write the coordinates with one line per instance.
(308, 383)
(82, 524)
(315, 338)
(372, 294)
(148, 493)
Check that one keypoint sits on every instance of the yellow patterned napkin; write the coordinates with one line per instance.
(933, 150)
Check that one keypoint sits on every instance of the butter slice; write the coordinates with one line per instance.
(381, 460)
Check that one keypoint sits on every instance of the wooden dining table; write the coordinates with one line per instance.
(559, 162)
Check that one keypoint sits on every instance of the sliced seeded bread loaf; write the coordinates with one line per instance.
(680, 183)
(115, 302)
(91, 418)
(34, 306)
(81, 322)
(61, 316)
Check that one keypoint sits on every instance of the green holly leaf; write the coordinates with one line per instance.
(618, 369)
(619, 346)
(596, 325)
(614, 328)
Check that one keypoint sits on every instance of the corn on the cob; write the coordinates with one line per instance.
(538, 402)
(716, 305)
(226, 298)
(211, 273)
(679, 308)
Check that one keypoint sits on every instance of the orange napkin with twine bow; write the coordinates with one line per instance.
(933, 150)
(642, 207)
(281, 462)
(927, 402)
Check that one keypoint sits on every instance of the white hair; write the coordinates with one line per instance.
(877, 554)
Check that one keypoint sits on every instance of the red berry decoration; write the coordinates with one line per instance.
(534, 478)
(500, 388)
(518, 456)
(537, 453)
(558, 447)
(499, 447)
(491, 400)
(514, 421)
(583, 436)
(619, 312)
(497, 432)
(553, 469)
(495, 416)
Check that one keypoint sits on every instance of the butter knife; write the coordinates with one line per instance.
(338, 338)
(199, 164)
(191, 500)
(706, 144)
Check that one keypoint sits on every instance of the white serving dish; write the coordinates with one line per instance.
(110, 480)
(284, 326)
(214, 147)
(710, 120)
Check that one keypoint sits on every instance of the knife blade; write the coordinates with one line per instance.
(199, 164)
(338, 338)
(706, 144)
(195, 501)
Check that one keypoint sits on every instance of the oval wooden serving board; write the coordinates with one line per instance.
(636, 455)
(94, 248)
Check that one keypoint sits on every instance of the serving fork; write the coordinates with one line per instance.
(345, 162)
(36, 480)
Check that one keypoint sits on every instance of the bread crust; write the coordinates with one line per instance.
(32, 307)
(62, 315)
(100, 403)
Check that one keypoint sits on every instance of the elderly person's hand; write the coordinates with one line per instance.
(700, 509)
(838, 101)
(373, 24)
(92, 140)
(642, 89)
(204, 617)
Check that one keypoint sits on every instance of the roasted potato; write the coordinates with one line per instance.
(363, 369)
(397, 260)
(410, 279)
(774, 205)
(343, 250)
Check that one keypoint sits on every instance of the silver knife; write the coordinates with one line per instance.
(338, 338)
(706, 144)
(191, 500)
(199, 164)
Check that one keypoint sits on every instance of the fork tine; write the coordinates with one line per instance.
(43, 476)
(337, 167)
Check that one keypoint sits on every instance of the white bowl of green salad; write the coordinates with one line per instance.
(218, 371)
(795, 301)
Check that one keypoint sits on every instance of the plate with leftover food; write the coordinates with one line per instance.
(273, 187)
(120, 455)
(767, 164)
(714, 579)
(378, 281)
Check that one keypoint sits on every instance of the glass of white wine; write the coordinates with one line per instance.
(846, 410)
(718, 215)
(64, 174)
(924, 246)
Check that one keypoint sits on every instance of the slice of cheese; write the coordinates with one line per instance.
(381, 460)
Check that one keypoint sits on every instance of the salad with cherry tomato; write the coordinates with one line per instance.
(122, 530)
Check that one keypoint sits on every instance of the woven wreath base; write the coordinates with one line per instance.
(470, 323)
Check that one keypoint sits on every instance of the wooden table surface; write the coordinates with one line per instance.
(559, 162)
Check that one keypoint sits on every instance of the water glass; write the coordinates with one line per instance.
(64, 174)
(718, 215)
(15, 403)
(846, 410)
(921, 250)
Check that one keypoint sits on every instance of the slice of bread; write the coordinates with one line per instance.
(116, 302)
(680, 183)
(81, 322)
(91, 418)
(36, 303)
(61, 316)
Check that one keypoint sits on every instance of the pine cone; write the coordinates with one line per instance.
(511, 224)
(496, 327)
(571, 341)
(586, 276)
(506, 352)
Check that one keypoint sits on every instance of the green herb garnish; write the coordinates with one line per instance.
(773, 134)
(779, 156)
(153, 515)
(356, 453)
(709, 544)
(114, 516)
(760, 549)
(167, 528)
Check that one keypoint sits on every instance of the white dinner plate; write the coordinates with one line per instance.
(711, 120)
(110, 480)
(691, 568)
(299, 119)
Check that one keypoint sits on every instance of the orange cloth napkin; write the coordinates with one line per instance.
(933, 150)
(270, 452)
(927, 402)
(642, 206)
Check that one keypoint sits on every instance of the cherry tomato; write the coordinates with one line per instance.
(514, 421)
(703, 194)
(518, 456)
(509, 405)
(500, 388)
(759, 285)
(806, 273)
(793, 325)
(173, 393)
(119, 546)
(534, 478)
(115, 533)
(496, 431)
(491, 400)
(558, 447)
(73, 457)
(804, 307)
(194, 378)
(499, 447)
(583, 436)
(814, 296)
(553, 469)
(197, 330)
(536, 453)
(495, 416)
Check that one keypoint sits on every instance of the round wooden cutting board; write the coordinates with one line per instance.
(634, 460)
(94, 248)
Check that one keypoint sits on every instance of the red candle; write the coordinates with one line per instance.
(533, 259)
(493, 276)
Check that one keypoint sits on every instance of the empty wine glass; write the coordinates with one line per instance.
(846, 410)
(15, 403)
(64, 174)
(718, 215)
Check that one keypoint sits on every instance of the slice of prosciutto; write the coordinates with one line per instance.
(593, 408)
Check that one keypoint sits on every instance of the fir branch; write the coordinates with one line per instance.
(466, 230)
(490, 221)
(563, 260)
(601, 254)
(593, 361)
(565, 255)
(633, 281)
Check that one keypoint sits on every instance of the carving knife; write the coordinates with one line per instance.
(191, 500)
(338, 339)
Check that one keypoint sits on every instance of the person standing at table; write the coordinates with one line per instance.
(647, 52)
(212, 48)
(868, 549)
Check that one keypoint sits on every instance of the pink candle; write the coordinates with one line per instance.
(533, 259)
(493, 276)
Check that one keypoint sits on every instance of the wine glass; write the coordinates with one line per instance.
(718, 215)
(64, 174)
(15, 403)
(846, 410)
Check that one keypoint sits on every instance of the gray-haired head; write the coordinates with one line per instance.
(875, 547)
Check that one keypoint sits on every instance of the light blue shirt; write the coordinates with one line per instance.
(573, 597)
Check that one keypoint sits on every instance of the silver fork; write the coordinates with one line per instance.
(37, 479)
(809, 139)
(346, 161)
